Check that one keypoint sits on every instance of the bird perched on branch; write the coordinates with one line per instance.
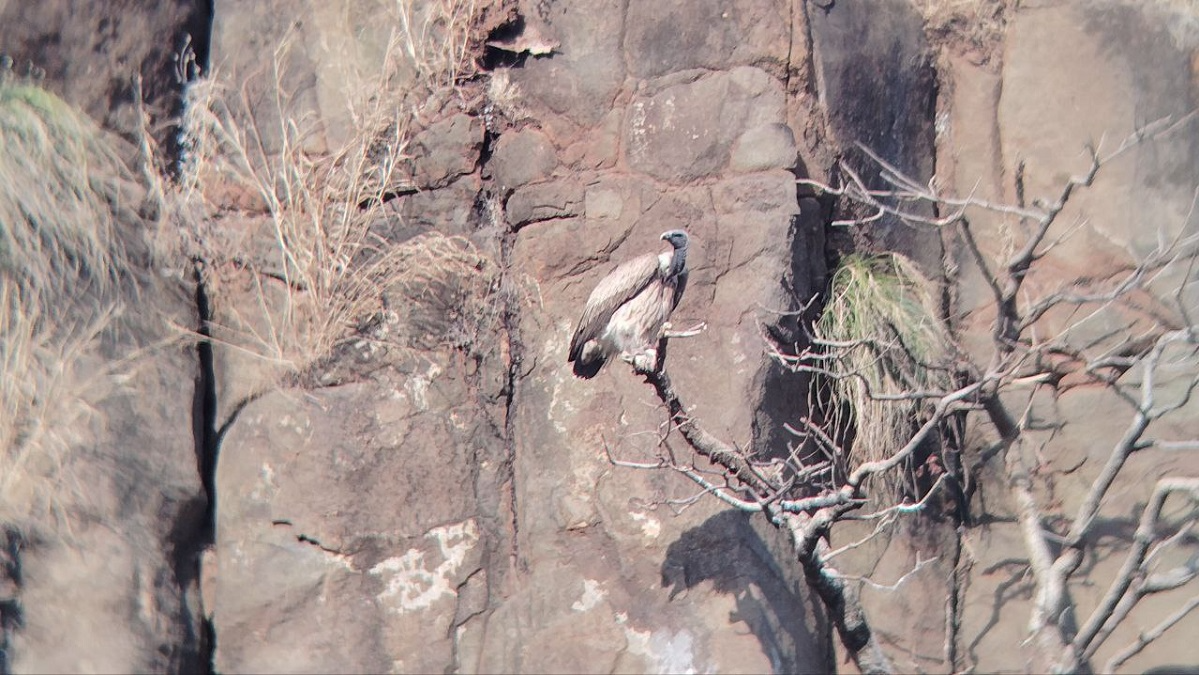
(629, 310)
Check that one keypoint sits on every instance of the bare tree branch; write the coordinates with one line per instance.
(1147, 638)
(813, 487)
(1142, 540)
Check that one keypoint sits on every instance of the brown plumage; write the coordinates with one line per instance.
(626, 312)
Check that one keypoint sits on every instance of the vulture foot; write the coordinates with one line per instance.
(643, 362)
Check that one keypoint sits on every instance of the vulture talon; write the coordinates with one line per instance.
(690, 332)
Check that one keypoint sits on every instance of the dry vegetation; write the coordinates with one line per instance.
(60, 267)
(328, 270)
(883, 337)
(973, 28)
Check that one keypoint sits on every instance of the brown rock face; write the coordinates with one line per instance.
(1072, 77)
(686, 132)
(502, 539)
(354, 547)
(875, 75)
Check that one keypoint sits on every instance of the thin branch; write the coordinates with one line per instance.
(1145, 639)
(845, 611)
(1127, 443)
(718, 492)
(944, 406)
(703, 442)
(920, 564)
(1142, 539)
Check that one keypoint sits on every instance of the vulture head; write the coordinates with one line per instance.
(677, 238)
(626, 313)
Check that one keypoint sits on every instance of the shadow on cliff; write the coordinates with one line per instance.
(728, 551)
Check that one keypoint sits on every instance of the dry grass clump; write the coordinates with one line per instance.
(47, 396)
(58, 182)
(60, 261)
(888, 341)
(974, 28)
(328, 270)
(437, 37)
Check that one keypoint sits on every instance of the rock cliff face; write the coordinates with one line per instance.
(437, 494)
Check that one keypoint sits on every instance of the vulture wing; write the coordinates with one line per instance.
(622, 284)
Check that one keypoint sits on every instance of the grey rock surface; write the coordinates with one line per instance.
(663, 39)
(522, 157)
(544, 201)
(103, 507)
(686, 131)
(350, 524)
(1074, 75)
(446, 150)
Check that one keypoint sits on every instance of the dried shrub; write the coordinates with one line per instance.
(334, 268)
(882, 317)
(63, 203)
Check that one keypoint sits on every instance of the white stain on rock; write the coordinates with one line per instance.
(265, 488)
(417, 386)
(411, 584)
(592, 595)
(734, 346)
(651, 527)
(666, 651)
(638, 143)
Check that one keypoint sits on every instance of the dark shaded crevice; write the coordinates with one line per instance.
(305, 539)
(512, 350)
(207, 436)
(12, 615)
(493, 452)
(515, 361)
(810, 75)
(207, 447)
(384, 197)
(956, 601)
(493, 56)
(185, 549)
(491, 133)
(467, 607)
(953, 431)
(461, 617)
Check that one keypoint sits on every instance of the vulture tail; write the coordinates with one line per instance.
(588, 369)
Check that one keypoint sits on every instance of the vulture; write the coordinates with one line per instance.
(629, 309)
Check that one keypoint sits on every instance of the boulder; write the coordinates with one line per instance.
(520, 158)
(446, 150)
(544, 201)
(350, 527)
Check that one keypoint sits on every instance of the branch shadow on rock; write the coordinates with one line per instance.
(728, 551)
